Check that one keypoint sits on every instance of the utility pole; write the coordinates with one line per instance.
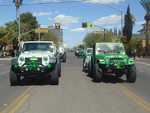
(18, 3)
(39, 32)
(19, 25)
(104, 35)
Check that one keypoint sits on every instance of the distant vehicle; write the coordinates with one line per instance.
(110, 58)
(62, 54)
(36, 59)
(88, 53)
(76, 52)
(80, 52)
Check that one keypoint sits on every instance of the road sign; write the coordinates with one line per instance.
(41, 30)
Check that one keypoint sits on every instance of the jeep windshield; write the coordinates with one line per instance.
(37, 47)
(109, 48)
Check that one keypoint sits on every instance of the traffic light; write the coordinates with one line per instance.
(87, 25)
(84, 25)
(17, 3)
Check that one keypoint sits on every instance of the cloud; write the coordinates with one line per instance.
(42, 14)
(78, 30)
(105, 1)
(66, 20)
(108, 20)
(86, 1)
(43, 1)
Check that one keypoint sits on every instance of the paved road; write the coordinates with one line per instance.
(77, 93)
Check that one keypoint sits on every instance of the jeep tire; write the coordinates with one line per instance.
(131, 74)
(54, 79)
(90, 67)
(59, 69)
(13, 78)
(98, 73)
(83, 67)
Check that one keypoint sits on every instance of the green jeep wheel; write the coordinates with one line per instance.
(90, 67)
(131, 74)
(98, 73)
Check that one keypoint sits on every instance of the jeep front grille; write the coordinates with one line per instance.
(29, 60)
(116, 60)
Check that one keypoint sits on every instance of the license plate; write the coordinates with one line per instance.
(33, 58)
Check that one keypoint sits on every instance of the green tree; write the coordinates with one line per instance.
(94, 37)
(128, 27)
(28, 23)
(9, 33)
(50, 37)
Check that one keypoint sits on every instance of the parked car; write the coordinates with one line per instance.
(62, 54)
(86, 59)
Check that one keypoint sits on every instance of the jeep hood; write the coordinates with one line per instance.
(28, 54)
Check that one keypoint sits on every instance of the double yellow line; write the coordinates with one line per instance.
(18, 102)
(137, 99)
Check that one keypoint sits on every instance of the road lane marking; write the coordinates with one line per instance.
(137, 99)
(19, 104)
(16, 104)
(147, 64)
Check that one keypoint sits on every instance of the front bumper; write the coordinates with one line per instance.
(25, 69)
(114, 68)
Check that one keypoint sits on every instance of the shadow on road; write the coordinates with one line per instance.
(28, 82)
(112, 79)
(109, 79)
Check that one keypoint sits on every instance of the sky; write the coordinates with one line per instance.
(105, 13)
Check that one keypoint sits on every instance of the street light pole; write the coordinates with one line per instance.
(19, 26)
(18, 3)
(39, 33)
(104, 31)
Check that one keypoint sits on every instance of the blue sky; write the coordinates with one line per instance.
(71, 15)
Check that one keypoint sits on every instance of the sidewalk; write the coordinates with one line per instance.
(8, 58)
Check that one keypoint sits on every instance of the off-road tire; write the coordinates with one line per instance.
(98, 73)
(59, 69)
(131, 74)
(13, 78)
(54, 79)
(90, 67)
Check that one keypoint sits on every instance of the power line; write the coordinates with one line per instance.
(45, 3)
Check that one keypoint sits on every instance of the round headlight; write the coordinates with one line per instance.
(45, 61)
(21, 61)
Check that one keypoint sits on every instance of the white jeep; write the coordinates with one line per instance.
(36, 59)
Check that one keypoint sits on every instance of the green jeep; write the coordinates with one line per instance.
(110, 58)
(36, 60)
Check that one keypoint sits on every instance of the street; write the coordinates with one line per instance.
(76, 93)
